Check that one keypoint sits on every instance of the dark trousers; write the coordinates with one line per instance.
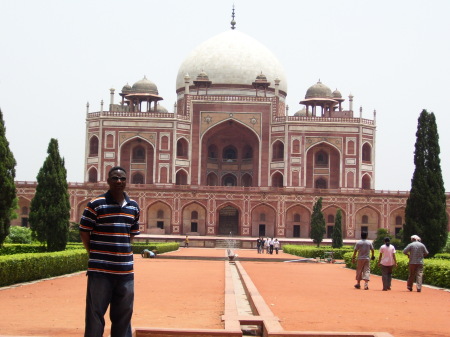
(386, 276)
(102, 291)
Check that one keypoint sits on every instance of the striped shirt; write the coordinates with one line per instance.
(111, 226)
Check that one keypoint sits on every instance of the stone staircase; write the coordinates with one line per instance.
(223, 243)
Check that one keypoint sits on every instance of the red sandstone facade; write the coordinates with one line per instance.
(230, 159)
(234, 164)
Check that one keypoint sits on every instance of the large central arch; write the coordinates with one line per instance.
(228, 221)
(230, 150)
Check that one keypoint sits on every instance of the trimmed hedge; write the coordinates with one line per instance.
(13, 248)
(445, 256)
(138, 247)
(29, 267)
(313, 252)
(161, 247)
(24, 263)
(436, 271)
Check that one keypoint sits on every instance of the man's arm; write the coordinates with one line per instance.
(354, 255)
(380, 257)
(406, 250)
(425, 251)
(86, 239)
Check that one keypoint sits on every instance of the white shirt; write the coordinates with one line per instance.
(388, 255)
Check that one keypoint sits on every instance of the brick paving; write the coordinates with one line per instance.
(189, 294)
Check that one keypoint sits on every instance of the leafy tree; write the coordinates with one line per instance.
(50, 207)
(19, 234)
(382, 233)
(74, 232)
(337, 241)
(317, 223)
(425, 213)
(7, 186)
(14, 209)
(447, 245)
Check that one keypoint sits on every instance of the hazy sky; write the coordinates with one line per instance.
(393, 56)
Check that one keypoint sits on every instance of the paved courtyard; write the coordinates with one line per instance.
(189, 292)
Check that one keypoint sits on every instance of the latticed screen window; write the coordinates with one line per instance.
(321, 158)
(138, 154)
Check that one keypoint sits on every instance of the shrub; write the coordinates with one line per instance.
(74, 233)
(164, 247)
(24, 263)
(313, 252)
(18, 234)
(444, 256)
(447, 245)
(398, 244)
(11, 249)
(29, 267)
(382, 233)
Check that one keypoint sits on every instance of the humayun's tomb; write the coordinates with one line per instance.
(229, 157)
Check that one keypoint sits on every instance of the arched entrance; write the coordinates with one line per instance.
(323, 167)
(137, 157)
(229, 221)
(230, 150)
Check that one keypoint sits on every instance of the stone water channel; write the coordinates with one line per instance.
(243, 306)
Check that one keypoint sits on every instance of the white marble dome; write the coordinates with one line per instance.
(232, 57)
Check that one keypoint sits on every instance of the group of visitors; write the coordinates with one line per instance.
(415, 251)
(267, 245)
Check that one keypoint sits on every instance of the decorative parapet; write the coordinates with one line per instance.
(135, 114)
(350, 120)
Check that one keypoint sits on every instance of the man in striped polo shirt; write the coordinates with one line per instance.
(107, 227)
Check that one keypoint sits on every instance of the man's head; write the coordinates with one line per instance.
(117, 179)
(415, 238)
(363, 235)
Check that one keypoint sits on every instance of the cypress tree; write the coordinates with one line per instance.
(317, 223)
(425, 213)
(7, 186)
(50, 207)
(337, 231)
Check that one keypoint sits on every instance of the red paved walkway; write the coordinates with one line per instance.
(190, 294)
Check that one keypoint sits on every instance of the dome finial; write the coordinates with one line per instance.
(233, 22)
